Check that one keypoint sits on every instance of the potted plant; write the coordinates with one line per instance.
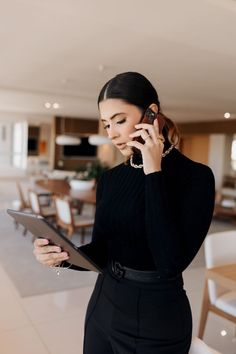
(88, 175)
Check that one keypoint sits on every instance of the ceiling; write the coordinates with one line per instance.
(64, 51)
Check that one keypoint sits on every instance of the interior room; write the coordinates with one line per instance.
(55, 58)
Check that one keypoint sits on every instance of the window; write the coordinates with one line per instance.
(19, 145)
(233, 153)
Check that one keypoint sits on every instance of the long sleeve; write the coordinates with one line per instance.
(175, 233)
(97, 248)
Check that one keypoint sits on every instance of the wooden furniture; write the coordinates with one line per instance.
(225, 212)
(229, 181)
(24, 204)
(220, 278)
(61, 187)
(225, 200)
(225, 203)
(68, 221)
(224, 275)
(39, 209)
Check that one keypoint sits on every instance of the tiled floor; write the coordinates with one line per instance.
(53, 323)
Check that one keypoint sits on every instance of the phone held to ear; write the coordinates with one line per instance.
(149, 117)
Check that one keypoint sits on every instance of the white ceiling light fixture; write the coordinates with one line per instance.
(64, 139)
(97, 140)
(67, 140)
(47, 105)
(227, 115)
(56, 105)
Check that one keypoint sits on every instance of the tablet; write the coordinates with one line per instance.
(41, 228)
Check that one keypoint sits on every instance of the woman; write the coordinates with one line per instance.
(152, 215)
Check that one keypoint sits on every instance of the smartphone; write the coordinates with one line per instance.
(149, 117)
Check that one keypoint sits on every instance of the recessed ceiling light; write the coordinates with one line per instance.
(47, 105)
(56, 105)
(227, 115)
(223, 333)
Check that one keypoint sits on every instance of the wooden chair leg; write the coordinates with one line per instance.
(25, 232)
(82, 235)
(70, 232)
(204, 311)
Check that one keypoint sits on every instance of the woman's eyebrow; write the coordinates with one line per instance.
(112, 117)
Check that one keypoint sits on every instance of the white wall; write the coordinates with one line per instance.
(216, 159)
(34, 119)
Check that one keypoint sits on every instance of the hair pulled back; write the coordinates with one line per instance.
(136, 89)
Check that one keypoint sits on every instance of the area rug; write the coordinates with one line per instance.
(28, 276)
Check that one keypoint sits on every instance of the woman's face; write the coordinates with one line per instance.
(119, 119)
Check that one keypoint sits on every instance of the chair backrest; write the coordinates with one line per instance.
(23, 201)
(63, 210)
(199, 347)
(34, 202)
(220, 249)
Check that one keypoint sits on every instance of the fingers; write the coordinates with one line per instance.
(41, 247)
(156, 126)
(46, 254)
(135, 144)
(52, 259)
(148, 129)
(153, 127)
(40, 242)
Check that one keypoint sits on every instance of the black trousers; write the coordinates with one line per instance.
(129, 317)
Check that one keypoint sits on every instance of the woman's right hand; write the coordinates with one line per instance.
(48, 255)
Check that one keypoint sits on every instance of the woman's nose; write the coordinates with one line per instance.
(112, 133)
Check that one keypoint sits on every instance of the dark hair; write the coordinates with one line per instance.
(136, 89)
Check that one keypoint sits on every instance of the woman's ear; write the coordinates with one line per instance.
(154, 107)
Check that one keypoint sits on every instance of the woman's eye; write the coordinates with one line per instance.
(121, 121)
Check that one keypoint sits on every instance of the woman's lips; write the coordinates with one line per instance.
(121, 146)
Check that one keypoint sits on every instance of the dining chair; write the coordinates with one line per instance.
(220, 249)
(67, 220)
(24, 203)
(38, 208)
(199, 347)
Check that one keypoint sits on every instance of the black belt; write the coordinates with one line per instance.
(132, 274)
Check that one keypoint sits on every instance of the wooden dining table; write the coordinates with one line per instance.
(223, 275)
(62, 187)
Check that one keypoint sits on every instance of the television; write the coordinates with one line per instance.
(32, 146)
(83, 150)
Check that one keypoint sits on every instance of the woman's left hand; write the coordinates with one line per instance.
(152, 148)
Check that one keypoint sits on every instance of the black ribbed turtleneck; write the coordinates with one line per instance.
(154, 221)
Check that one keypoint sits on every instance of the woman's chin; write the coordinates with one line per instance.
(126, 152)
